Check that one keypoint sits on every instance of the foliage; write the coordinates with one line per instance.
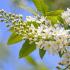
(16, 38)
(26, 46)
(41, 6)
(42, 53)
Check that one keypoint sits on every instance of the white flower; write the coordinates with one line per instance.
(39, 30)
(29, 18)
(32, 28)
(67, 20)
(38, 21)
(66, 16)
(51, 38)
(42, 19)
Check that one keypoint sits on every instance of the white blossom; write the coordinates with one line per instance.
(66, 16)
(29, 18)
(39, 29)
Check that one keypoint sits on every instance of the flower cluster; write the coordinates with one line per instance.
(66, 16)
(9, 18)
(40, 30)
(53, 38)
(65, 63)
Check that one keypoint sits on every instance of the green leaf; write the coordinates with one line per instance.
(26, 49)
(54, 19)
(41, 6)
(61, 54)
(54, 16)
(54, 13)
(42, 53)
(14, 38)
(61, 20)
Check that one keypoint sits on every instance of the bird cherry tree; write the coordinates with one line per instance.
(47, 30)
